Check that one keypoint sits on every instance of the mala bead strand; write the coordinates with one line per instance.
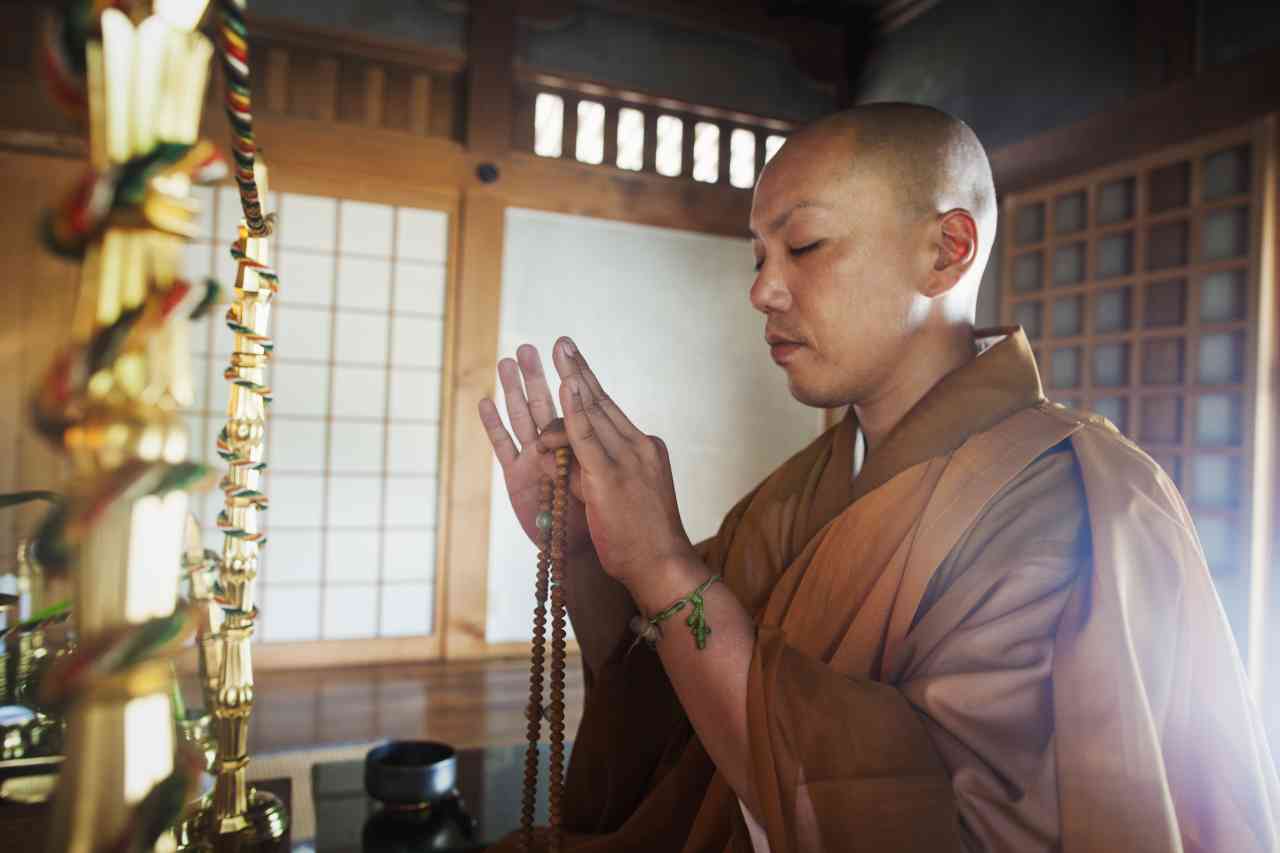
(534, 712)
(555, 786)
(552, 504)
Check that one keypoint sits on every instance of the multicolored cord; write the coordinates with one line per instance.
(234, 43)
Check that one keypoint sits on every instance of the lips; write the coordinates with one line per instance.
(782, 349)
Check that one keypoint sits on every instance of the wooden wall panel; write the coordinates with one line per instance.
(353, 105)
(313, 83)
(274, 85)
(41, 292)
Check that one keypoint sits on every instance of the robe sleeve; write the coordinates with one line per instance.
(634, 732)
(979, 661)
(953, 749)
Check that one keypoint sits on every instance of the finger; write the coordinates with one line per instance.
(552, 437)
(619, 418)
(587, 447)
(575, 483)
(503, 447)
(574, 364)
(615, 443)
(517, 407)
(542, 406)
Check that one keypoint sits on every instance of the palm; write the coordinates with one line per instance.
(524, 478)
(531, 409)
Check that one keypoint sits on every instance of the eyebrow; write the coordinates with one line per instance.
(781, 219)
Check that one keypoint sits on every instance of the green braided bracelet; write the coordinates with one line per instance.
(649, 630)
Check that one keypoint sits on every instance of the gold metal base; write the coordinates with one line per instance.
(262, 828)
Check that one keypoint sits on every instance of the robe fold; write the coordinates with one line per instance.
(1000, 635)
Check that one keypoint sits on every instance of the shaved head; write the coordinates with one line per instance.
(933, 159)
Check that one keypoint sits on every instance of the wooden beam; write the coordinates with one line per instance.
(466, 451)
(1170, 115)
(530, 77)
(289, 34)
(646, 199)
(490, 81)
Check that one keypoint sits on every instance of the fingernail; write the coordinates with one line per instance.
(569, 348)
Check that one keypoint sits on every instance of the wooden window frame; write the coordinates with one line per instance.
(1253, 515)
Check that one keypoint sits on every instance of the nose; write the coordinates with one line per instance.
(769, 293)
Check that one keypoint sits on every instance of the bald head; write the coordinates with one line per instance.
(934, 161)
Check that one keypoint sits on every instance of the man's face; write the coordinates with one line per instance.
(840, 264)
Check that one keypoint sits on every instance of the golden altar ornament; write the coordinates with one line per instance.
(112, 403)
(238, 816)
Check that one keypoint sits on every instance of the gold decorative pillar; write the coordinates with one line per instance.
(255, 816)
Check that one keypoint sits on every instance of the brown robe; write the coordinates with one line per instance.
(1001, 635)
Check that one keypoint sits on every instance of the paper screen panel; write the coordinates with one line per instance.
(353, 430)
(664, 318)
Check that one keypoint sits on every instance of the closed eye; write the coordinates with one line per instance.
(795, 251)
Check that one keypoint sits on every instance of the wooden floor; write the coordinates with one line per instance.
(468, 703)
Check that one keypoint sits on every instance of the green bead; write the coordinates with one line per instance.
(543, 521)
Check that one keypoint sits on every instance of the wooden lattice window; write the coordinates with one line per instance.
(628, 131)
(1139, 288)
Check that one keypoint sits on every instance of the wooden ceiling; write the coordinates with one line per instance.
(829, 39)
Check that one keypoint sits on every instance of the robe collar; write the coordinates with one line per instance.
(1001, 380)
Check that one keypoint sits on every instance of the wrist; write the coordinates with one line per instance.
(670, 580)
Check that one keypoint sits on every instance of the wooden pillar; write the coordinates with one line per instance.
(477, 301)
(1264, 621)
(490, 81)
(468, 456)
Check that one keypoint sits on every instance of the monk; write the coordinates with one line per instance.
(964, 618)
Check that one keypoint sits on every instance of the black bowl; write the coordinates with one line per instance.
(410, 772)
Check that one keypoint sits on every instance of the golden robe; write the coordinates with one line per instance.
(1000, 635)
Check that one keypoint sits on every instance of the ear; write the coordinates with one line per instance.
(956, 241)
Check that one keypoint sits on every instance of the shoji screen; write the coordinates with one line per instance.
(1141, 289)
(664, 318)
(353, 435)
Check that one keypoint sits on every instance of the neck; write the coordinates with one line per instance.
(931, 358)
